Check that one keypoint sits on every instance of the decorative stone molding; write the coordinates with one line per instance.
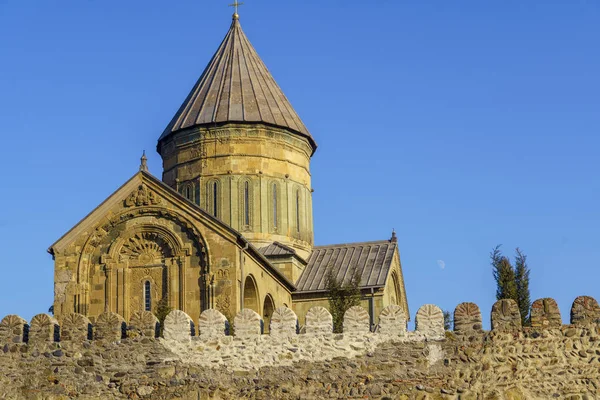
(467, 318)
(430, 321)
(13, 329)
(247, 324)
(392, 321)
(43, 329)
(178, 326)
(211, 324)
(356, 320)
(143, 323)
(283, 322)
(109, 326)
(319, 321)
(545, 314)
(75, 328)
(506, 316)
(142, 196)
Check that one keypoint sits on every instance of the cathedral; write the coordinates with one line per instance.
(230, 224)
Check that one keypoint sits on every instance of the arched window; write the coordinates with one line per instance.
(188, 193)
(275, 222)
(212, 198)
(298, 210)
(215, 200)
(147, 297)
(247, 203)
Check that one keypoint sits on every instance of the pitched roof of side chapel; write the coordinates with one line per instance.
(236, 86)
(373, 261)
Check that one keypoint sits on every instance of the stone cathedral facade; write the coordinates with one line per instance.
(230, 224)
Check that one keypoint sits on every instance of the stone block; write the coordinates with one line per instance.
(467, 318)
(392, 321)
(247, 324)
(75, 328)
(109, 326)
(211, 324)
(43, 329)
(506, 316)
(585, 311)
(144, 323)
(178, 326)
(283, 322)
(13, 329)
(319, 321)
(430, 321)
(545, 314)
(356, 320)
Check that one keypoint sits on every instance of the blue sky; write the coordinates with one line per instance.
(462, 125)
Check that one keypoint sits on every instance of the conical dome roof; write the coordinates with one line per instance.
(236, 86)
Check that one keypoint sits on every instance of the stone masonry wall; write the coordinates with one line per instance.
(48, 359)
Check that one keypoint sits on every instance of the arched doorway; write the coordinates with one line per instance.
(251, 294)
(268, 309)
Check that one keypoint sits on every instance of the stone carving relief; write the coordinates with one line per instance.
(319, 321)
(506, 316)
(283, 322)
(178, 326)
(43, 328)
(143, 323)
(430, 320)
(545, 314)
(12, 328)
(247, 324)
(467, 318)
(142, 196)
(356, 320)
(145, 248)
(75, 328)
(585, 311)
(223, 302)
(392, 321)
(109, 326)
(211, 324)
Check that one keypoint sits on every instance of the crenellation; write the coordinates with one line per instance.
(585, 311)
(392, 321)
(319, 321)
(429, 321)
(43, 328)
(13, 329)
(178, 326)
(545, 314)
(467, 318)
(212, 324)
(143, 323)
(247, 324)
(506, 316)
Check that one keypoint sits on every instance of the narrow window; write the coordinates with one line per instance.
(188, 192)
(298, 210)
(215, 200)
(147, 298)
(275, 205)
(246, 203)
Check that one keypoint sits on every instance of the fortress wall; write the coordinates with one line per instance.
(115, 359)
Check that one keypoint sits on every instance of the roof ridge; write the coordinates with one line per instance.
(324, 246)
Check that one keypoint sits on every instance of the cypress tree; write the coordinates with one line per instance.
(504, 275)
(522, 283)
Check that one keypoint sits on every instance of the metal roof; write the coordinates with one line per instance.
(277, 249)
(236, 86)
(372, 259)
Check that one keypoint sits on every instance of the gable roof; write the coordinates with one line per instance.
(167, 192)
(372, 259)
(236, 86)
